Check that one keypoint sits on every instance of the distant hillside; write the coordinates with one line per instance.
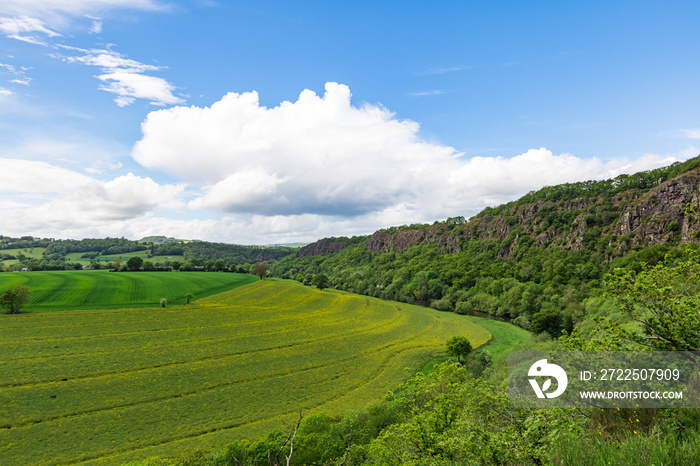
(158, 253)
(160, 240)
(547, 250)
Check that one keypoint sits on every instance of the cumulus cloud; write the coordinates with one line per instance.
(44, 196)
(30, 176)
(319, 166)
(323, 165)
(316, 155)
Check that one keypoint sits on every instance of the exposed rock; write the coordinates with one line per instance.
(667, 213)
(323, 246)
(402, 240)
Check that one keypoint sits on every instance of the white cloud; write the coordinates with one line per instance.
(125, 77)
(74, 7)
(19, 75)
(444, 69)
(316, 155)
(48, 16)
(130, 86)
(24, 28)
(96, 27)
(426, 93)
(29, 176)
(123, 198)
(323, 166)
(316, 167)
(691, 133)
(42, 197)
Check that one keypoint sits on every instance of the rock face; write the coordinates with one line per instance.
(402, 240)
(323, 246)
(664, 214)
(667, 213)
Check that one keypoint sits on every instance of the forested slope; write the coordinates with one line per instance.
(545, 252)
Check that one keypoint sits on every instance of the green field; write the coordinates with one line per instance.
(74, 257)
(98, 289)
(34, 253)
(109, 386)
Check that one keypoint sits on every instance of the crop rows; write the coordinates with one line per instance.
(114, 385)
(95, 289)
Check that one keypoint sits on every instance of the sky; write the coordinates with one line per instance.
(267, 122)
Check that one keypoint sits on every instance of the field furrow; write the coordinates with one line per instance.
(97, 385)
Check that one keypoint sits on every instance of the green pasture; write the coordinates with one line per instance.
(33, 253)
(95, 289)
(74, 257)
(113, 385)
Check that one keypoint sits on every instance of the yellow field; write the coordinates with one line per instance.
(108, 386)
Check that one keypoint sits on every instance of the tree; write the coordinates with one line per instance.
(663, 301)
(15, 298)
(259, 269)
(189, 297)
(459, 346)
(321, 281)
(117, 263)
(134, 263)
(219, 265)
(548, 320)
(163, 302)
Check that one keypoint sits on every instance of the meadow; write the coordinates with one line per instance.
(99, 289)
(106, 386)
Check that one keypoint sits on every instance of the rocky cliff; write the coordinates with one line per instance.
(656, 211)
(323, 246)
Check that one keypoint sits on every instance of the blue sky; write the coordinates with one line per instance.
(268, 122)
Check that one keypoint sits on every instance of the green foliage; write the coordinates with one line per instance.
(15, 299)
(320, 281)
(547, 320)
(663, 302)
(656, 447)
(189, 297)
(259, 269)
(230, 254)
(134, 263)
(458, 346)
(452, 419)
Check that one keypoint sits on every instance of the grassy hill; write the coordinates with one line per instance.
(108, 386)
(95, 289)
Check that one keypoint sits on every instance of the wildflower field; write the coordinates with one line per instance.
(98, 289)
(113, 385)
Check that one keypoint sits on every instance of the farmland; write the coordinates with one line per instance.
(111, 385)
(96, 289)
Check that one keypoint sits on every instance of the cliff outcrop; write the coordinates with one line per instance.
(653, 211)
(324, 246)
